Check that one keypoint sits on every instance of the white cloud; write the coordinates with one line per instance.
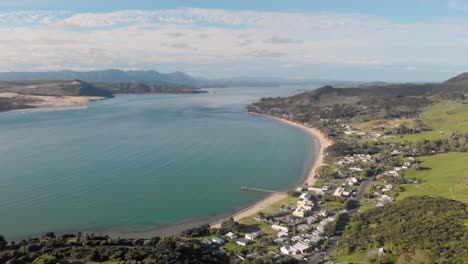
(216, 42)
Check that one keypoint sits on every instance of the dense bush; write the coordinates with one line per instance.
(431, 227)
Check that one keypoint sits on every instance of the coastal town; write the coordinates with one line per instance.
(363, 168)
(307, 227)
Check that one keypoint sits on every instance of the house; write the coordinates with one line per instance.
(301, 212)
(253, 236)
(323, 213)
(303, 228)
(297, 238)
(317, 191)
(288, 250)
(306, 196)
(355, 169)
(311, 220)
(231, 236)
(338, 191)
(279, 241)
(387, 188)
(282, 234)
(253, 255)
(303, 208)
(302, 247)
(346, 193)
(280, 228)
(218, 240)
(315, 240)
(242, 242)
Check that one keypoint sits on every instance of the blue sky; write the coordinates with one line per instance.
(421, 40)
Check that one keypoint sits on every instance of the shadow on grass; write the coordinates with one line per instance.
(250, 228)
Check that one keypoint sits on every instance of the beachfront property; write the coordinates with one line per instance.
(306, 196)
(318, 191)
(253, 236)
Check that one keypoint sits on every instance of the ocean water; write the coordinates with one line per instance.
(143, 161)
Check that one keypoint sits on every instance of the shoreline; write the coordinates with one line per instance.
(322, 142)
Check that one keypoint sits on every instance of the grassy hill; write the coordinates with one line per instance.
(446, 176)
(444, 118)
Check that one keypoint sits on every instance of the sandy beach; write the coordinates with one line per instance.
(51, 103)
(320, 140)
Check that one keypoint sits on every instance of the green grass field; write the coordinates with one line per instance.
(447, 177)
(444, 119)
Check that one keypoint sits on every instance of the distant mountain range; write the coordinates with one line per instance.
(104, 76)
(152, 77)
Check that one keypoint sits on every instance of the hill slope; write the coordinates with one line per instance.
(54, 88)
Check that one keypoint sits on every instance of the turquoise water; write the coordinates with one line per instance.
(142, 161)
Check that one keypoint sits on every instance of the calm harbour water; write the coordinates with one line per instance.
(142, 161)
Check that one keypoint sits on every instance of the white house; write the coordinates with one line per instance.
(252, 236)
(288, 250)
(306, 196)
(318, 191)
(302, 247)
(280, 228)
(231, 235)
(282, 234)
(242, 242)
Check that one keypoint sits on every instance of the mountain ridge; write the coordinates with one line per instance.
(102, 76)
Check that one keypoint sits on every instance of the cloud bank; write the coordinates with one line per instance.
(222, 43)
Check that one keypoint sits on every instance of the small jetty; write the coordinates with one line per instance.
(252, 189)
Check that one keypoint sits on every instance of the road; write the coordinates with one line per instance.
(333, 241)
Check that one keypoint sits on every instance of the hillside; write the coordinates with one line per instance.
(142, 88)
(103, 76)
(458, 83)
(53, 88)
(48, 94)
(415, 230)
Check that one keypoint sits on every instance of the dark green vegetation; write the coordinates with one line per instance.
(84, 248)
(415, 230)
(90, 248)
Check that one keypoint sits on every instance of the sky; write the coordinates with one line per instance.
(355, 40)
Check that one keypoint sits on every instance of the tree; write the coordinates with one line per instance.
(3, 242)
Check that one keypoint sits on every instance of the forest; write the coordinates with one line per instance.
(418, 229)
